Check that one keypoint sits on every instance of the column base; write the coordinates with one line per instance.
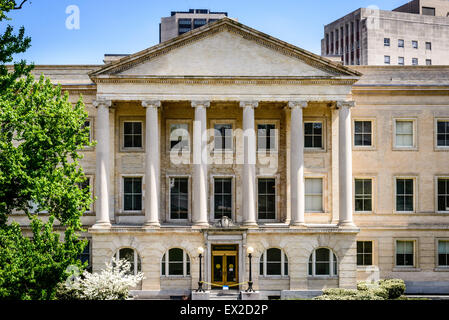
(200, 225)
(102, 225)
(298, 225)
(251, 224)
(346, 224)
(152, 225)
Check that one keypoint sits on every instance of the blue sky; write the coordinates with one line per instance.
(127, 26)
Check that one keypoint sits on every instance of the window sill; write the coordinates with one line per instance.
(273, 277)
(137, 150)
(406, 269)
(221, 153)
(441, 269)
(176, 277)
(322, 277)
(368, 268)
(267, 152)
(314, 150)
(131, 213)
(363, 212)
(405, 149)
(363, 148)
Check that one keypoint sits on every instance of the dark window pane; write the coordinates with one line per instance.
(128, 141)
(358, 140)
(175, 269)
(175, 254)
(273, 268)
(308, 141)
(358, 127)
(322, 254)
(128, 127)
(273, 254)
(317, 142)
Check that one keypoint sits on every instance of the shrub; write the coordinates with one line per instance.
(394, 287)
(380, 290)
(112, 283)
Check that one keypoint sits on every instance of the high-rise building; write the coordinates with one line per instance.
(183, 21)
(416, 33)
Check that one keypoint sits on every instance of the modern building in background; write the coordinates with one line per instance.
(416, 33)
(183, 21)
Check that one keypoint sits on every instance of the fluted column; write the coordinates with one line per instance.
(102, 164)
(152, 163)
(297, 163)
(249, 164)
(345, 163)
(200, 190)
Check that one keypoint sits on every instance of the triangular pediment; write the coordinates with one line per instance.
(224, 49)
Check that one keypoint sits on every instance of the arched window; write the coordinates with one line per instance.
(273, 262)
(323, 262)
(175, 262)
(132, 256)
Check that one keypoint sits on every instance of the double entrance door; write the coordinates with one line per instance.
(225, 266)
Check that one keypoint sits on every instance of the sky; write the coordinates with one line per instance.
(128, 26)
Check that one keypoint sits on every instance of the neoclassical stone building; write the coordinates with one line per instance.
(225, 138)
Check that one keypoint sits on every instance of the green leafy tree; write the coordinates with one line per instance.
(41, 133)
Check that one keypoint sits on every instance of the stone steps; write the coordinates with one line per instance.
(224, 295)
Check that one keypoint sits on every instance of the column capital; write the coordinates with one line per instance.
(297, 104)
(345, 104)
(252, 104)
(151, 104)
(100, 102)
(198, 103)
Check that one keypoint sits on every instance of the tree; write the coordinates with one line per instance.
(41, 134)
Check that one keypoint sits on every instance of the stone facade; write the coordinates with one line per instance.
(243, 77)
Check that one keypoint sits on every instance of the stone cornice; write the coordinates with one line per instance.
(227, 81)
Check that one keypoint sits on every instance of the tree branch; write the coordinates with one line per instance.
(20, 6)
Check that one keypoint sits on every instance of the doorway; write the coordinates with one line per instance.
(225, 266)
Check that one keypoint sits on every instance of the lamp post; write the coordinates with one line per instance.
(250, 251)
(200, 282)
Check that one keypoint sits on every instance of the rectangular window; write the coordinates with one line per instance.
(222, 198)
(404, 133)
(363, 195)
(405, 253)
(428, 45)
(428, 11)
(313, 135)
(179, 137)
(132, 134)
(314, 195)
(199, 23)
(428, 62)
(266, 137)
(184, 25)
(179, 198)
(443, 253)
(401, 43)
(86, 257)
(223, 137)
(414, 44)
(363, 133)
(386, 42)
(387, 59)
(401, 61)
(266, 199)
(414, 61)
(404, 195)
(364, 253)
(132, 194)
(443, 133)
(443, 194)
(87, 125)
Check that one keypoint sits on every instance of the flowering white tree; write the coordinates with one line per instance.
(112, 283)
